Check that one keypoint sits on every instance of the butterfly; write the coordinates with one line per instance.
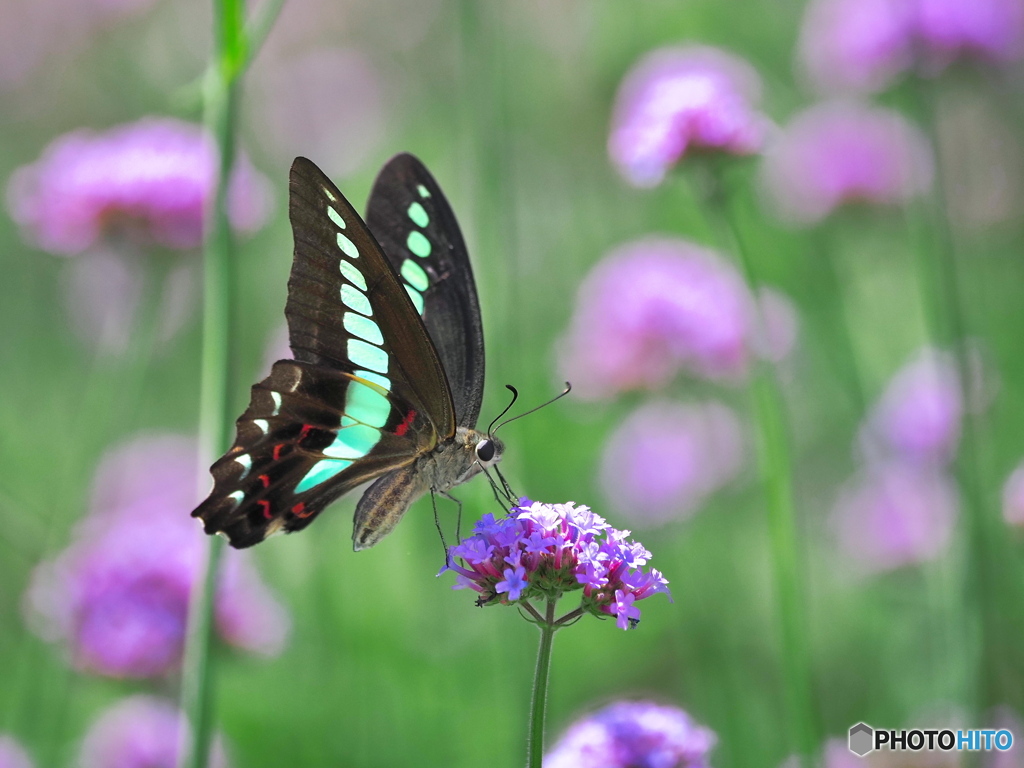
(388, 374)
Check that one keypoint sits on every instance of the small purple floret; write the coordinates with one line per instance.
(633, 734)
(541, 551)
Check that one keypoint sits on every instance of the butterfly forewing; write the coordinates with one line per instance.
(416, 227)
(365, 395)
(346, 307)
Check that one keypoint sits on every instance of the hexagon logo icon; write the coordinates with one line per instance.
(862, 739)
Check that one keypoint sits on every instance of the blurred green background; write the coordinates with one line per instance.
(509, 105)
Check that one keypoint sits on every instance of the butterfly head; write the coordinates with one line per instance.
(478, 451)
(488, 451)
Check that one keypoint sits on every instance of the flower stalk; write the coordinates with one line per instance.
(540, 552)
(535, 745)
(773, 456)
(220, 97)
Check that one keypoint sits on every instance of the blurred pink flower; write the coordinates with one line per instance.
(894, 515)
(118, 595)
(626, 734)
(666, 458)
(12, 754)
(843, 152)
(863, 45)
(679, 99)
(917, 418)
(654, 306)
(140, 732)
(1013, 497)
(987, 29)
(147, 182)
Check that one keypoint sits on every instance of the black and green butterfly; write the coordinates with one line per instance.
(388, 374)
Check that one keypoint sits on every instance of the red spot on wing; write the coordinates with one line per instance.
(277, 451)
(299, 510)
(266, 508)
(265, 479)
(402, 428)
(305, 431)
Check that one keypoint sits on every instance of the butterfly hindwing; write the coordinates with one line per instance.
(414, 224)
(295, 452)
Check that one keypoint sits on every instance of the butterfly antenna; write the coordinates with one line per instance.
(559, 396)
(515, 396)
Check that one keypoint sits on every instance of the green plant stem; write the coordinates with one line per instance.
(993, 589)
(220, 106)
(773, 457)
(535, 743)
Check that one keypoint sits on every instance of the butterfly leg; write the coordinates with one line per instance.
(497, 491)
(437, 524)
(512, 496)
(458, 515)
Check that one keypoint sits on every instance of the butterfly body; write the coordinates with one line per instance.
(387, 378)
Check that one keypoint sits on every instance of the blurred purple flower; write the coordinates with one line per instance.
(680, 99)
(545, 550)
(140, 732)
(842, 152)
(863, 45)
(895, 515)
(1013, 497)
(917, 419)
(147, 182)
(12, 754)
(118, 595)
(666, 458)
(633, 734)
(855, 45)
(657, 305)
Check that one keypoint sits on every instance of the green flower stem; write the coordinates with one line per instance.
(221, 90)
(993, 589)
(535, 743)
(772, 443)
(846, 354)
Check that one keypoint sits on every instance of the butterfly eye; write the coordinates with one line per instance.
(485, 451)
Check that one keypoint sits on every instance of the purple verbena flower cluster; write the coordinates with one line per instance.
(542, 551)
(633, 734)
